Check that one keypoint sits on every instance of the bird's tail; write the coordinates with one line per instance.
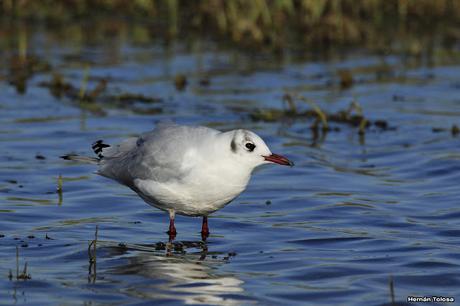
(83, 159)
(98, 148)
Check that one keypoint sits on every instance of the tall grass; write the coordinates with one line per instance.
(259, 22)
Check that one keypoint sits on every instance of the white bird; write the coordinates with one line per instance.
(192, 171)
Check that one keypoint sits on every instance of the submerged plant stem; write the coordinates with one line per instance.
(84, 82)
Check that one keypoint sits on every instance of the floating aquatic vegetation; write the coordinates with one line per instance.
(21, 69)
(40, 156)
(42, 119)
(180, 81)
(346, 78)
(96, 99)
(352, 116)
(454, 130)
(127, 97)
(205, 81)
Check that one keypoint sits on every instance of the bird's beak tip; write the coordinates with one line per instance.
(279, 159)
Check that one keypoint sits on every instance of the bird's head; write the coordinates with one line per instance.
(249, 148)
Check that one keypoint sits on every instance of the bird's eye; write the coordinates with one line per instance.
(250, 146)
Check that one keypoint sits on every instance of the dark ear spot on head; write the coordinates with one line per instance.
(247, 137)
(233, 145)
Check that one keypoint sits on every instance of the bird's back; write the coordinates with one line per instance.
(156, 155)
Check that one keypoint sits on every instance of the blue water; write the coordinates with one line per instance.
(354, 213)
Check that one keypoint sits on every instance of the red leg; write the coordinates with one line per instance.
(204, 228)
(172, 229)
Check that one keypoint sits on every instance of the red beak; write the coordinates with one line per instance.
(278, 159)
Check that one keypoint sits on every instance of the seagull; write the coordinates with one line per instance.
(186, 170)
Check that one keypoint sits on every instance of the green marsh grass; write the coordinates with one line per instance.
(273, 24)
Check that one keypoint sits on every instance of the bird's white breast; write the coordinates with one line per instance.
(209, 187)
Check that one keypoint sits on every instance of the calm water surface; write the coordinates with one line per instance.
(353, 213)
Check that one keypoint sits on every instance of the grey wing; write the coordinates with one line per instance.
(156, 155)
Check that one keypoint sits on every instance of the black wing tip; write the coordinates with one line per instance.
(98, 146)
(99, 143)
(96, 143)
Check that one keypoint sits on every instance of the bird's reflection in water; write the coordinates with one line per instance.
(180, 270)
